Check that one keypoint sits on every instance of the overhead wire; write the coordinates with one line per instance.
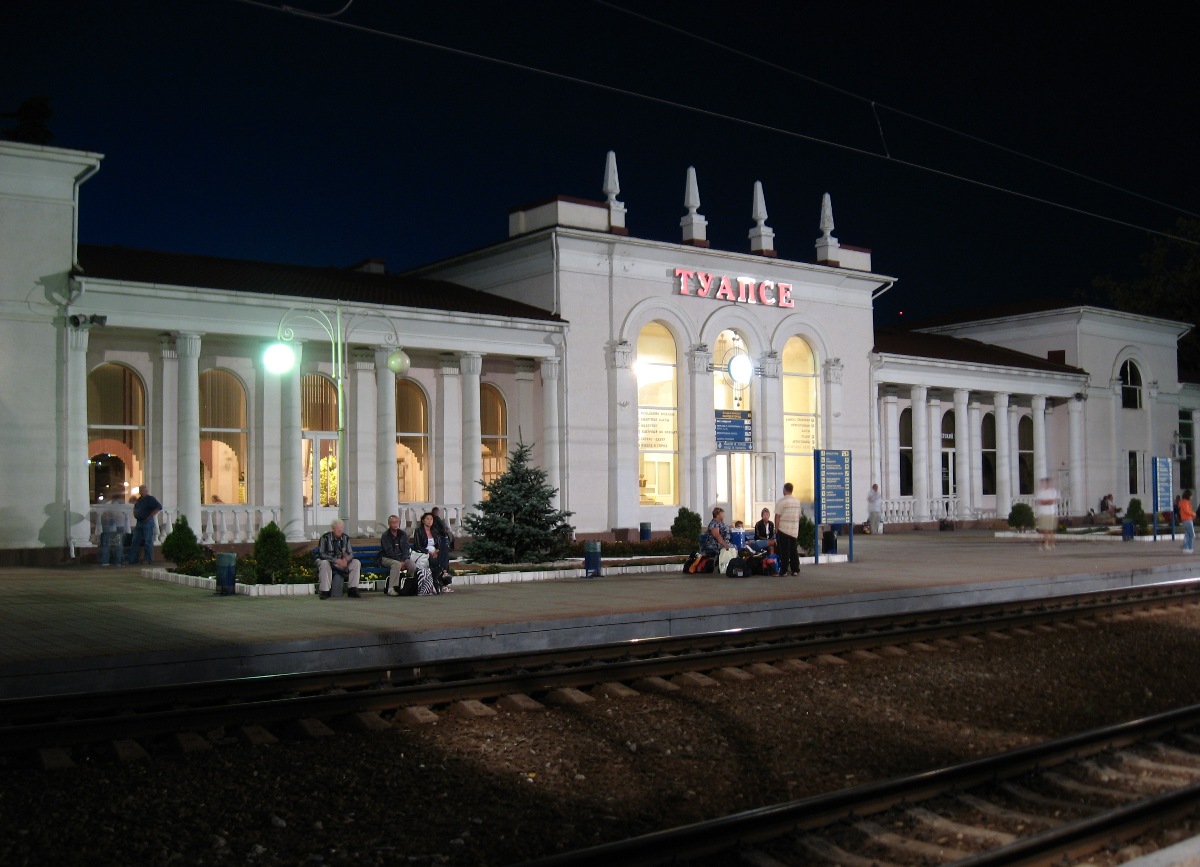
(460, 52)
(875, 105)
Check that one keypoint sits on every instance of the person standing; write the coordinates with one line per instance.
(112, 538)
(1187, 516)
(875, 510)
(395, 553)
(1046, 507)
(145, 527)
(787, 529)
(334, 551)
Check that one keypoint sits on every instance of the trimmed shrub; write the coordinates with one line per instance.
(806, 539)
(688, 527)
(272, 556)
(1137, 513)
(181, 545)
(1021, 517)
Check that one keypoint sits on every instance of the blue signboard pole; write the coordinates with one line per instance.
(833, 476)
(1164, 487)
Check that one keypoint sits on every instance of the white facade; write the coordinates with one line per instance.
(548, 329)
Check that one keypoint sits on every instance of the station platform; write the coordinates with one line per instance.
(83, 628)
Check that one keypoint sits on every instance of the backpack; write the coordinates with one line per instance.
(702, 565)
(689, 565)
(737, 568)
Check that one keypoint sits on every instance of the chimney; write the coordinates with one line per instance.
(371, 266)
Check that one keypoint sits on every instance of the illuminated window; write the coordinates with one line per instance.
(412, 442)
(658, 416)
(116, 416)
(223, 437)
(319, 417)
(493, 423)
(800, 416)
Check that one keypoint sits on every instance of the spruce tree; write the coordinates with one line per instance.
(517, 522)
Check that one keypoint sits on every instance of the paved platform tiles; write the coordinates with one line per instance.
(81, 628)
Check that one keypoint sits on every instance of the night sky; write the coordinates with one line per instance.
(235, 130)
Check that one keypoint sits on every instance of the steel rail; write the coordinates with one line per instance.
(675, 845)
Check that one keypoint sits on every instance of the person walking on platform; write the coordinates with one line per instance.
(1187, 516)
(787, 528)
(1046, 507)
(145, 528)
(334, 551)
(396, 555)
(875, 510)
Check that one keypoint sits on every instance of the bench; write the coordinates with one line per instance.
(371, 569)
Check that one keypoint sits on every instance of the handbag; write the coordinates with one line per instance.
(724, 558)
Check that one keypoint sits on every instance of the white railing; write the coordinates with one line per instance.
(410, 516)
(228, 524)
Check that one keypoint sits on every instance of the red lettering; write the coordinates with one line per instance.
(726, 290)
(683, 276)
(763, 297)
(705, 283)
(785, 295)
(746, 290)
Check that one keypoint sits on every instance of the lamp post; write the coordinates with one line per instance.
(279, 358)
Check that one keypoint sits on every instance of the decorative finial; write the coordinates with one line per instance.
(694, 225)
(762, 237)
(612, 186)
(827, 218)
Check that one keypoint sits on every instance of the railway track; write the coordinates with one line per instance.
(53, 731)
(1047, 804)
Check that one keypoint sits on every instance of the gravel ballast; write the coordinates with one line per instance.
(520, 785)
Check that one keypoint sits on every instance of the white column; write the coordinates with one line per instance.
(1120, 459)
(291, 460)
(701, 431)
(769, 428)
(360, 478)
(833, 369)
(264, 475)
(975, 412)
(161, 469)
(550, 435)
(1004, 486)
(447, 462)
(1014, 437)
(78, 519)
(891, 444)
(1039, 439)
(470, 365)
(386, 487)
(623, 458)
(962, 454)
(188, 503)
(523, 411)
(934, 441)
(1079, 504)
(920, 431)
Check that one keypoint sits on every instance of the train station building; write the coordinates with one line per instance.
(646, 375)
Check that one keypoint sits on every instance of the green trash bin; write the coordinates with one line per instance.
(226, 572)
(591, 559)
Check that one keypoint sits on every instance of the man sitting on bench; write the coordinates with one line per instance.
(336, 553)
(396, 555)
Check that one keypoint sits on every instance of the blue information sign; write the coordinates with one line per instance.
(1164, 489)
(735, 430)
(833, 473)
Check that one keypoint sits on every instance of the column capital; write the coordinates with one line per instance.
(962, 395)
(1000, 400)
(699, 359)
(78, 339)
(620, 355)
(1038, 402)
(549, 369)
(187, 344)
(362, 359)
(448, 364)
(770, 365)
(918, 393)
(166, 348)
(833, 369)
(470, 363)
(524, 368)
(890, 394)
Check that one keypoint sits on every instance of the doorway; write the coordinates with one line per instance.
(321, 479)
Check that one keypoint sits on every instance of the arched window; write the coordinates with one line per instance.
(1131, 386)
(1025, 455)
(906, 453)
(319, 420)
(988, 438)
(116, 417)
(800, 416)
(658, 416)
(412, 442)
(732, 373)
(223, 437)
(493, 423)
(949, 479)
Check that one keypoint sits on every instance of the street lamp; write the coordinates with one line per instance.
(279, 358)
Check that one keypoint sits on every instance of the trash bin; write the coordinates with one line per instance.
(1126, 531)
(226, 569)
(829, 542)
(591, 559)
(644, 531)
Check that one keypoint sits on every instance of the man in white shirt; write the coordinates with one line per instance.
(787, 528)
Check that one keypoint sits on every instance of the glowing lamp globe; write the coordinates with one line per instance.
(279, 358)
(741, 369)
(399, 363)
